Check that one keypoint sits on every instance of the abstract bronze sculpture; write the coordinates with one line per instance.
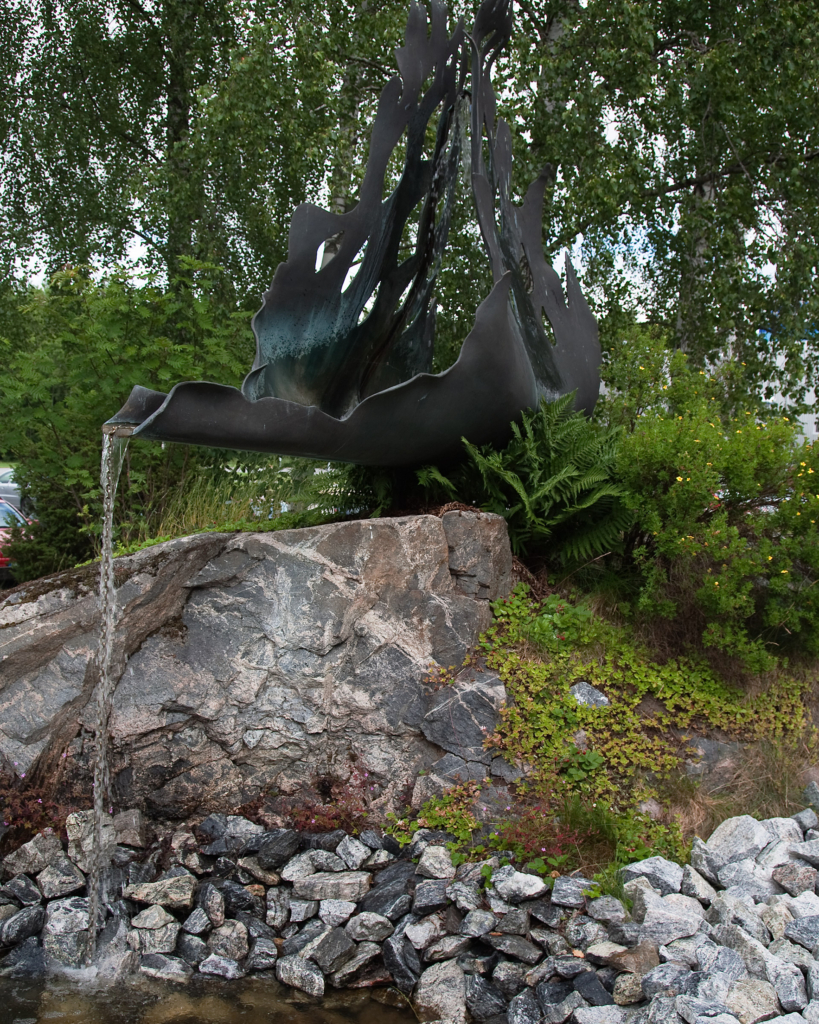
(342, 368)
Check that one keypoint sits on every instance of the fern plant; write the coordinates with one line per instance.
(553, 482)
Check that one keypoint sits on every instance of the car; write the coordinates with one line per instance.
(9, 488)
(9, 518)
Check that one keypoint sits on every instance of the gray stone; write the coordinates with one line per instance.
(436, 862)
(581, 932)
(222, 967)
(793, 954)
(353, 852)
(785, 829)
(278, 908)
(429, 897)
(219, 710)
(806, 904)
(197, 922)
(301, 866)
(22, 890)
(736, 839)
(400, 957)
(728, 910)
(627, 990)
(25, 961)
(154, 940)
(330, 951)
(693, 884)
(483, 1000)
(461, 715)
(80, 829)
(342, 885)
(446, 948)
(277, 847)
(805, 931)
(369, 927)
(509, 977)
(336, 912)
(795, 877)
(607, 909)
(752, 1000)
(364, 954)
(664, 875)
(665, 980)
(60, 878)
(426, 931)
(166, 968)
(176, 893)
(34, 856)
(22, 925)
(523, 1009)
(746, 876)
(585, 693)
(153, 917)
(303, 910)
(810, 794)
(670, 917)
(478, 922)
(514, 886)
(569, 892)
(191, 948)
(590, 987)
(776, 919)
(806, 819)
(229, 940)
(788, 983)
(66, 916)
(299, 940)
(441, 993)
(599, 1015)
(515, 946)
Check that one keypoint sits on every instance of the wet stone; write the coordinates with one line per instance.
(365, 953)
(371, 839)
(301, 974)
(191, 949)
(390, 900)
(166, 968)
(229, 940)
(23, 925)
(400, 957)
(23, 890)
(176, 893)
(325, 840)
(60, 878)
(25, 961)
(311, 931)
(240, 897)
(34, 856)
(221, 966)
(262, 956)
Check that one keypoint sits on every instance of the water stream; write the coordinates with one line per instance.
(115, 441)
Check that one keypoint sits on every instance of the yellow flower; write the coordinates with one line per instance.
(784, 572)
(679, 479)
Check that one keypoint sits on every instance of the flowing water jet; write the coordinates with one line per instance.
(115, 442)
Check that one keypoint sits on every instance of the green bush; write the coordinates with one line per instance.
(724, 508)
(88, 343)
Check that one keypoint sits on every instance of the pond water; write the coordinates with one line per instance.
(82, 1000)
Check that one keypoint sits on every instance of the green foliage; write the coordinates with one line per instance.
(553, 482)
(635, 736)
(724, 509)
(451, 813)
(88, 343)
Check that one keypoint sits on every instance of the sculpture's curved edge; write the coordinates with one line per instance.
(421, 420)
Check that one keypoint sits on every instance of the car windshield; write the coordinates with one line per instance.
(9, 516)
(6, 476)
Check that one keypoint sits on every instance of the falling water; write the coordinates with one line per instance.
(115, 441)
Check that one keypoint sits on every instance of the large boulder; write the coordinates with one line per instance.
(255, 661)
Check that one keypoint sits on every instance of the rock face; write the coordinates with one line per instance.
(252, 661)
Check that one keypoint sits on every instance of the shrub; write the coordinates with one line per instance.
(724, 509)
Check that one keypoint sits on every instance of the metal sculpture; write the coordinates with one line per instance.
(342, 368)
